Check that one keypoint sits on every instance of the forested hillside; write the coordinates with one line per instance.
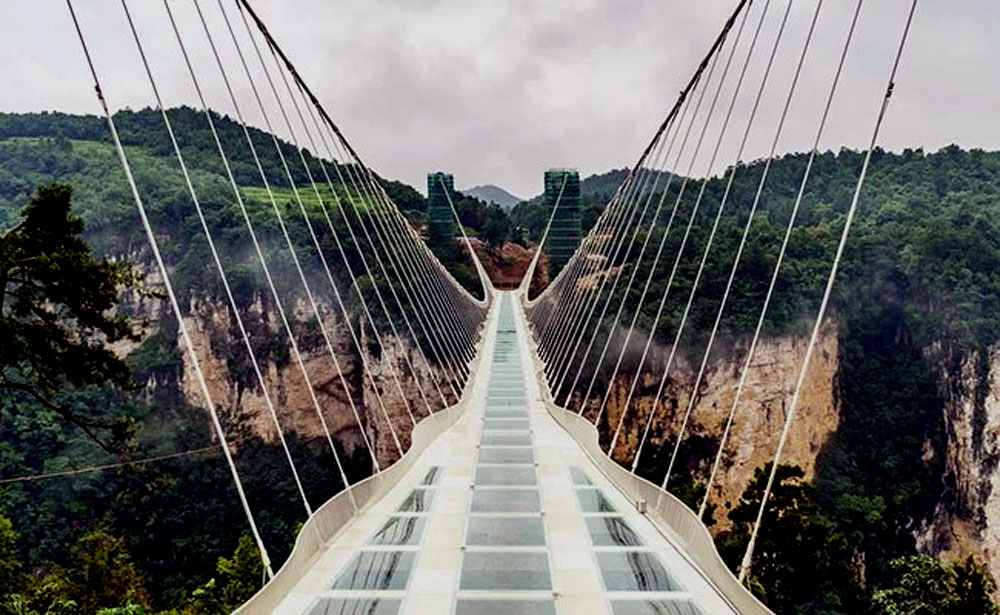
(917, 311)
(150, 535)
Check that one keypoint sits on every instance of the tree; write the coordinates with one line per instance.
(9, 566)
(103, 574)
(58, 317)
(925, 586)
(242, 573)
(241, 577)
(801, 564)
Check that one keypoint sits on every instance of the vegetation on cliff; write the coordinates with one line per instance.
(919, 294)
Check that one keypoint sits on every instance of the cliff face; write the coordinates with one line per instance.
(967, 520)
(242, 402)
(758, 421)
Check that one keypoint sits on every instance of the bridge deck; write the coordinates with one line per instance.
(503, 514)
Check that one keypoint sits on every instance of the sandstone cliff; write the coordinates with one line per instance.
(759, 418)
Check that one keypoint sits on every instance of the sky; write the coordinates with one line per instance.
(496, 91)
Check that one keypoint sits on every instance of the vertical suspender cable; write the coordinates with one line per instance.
(680, 252)
(777, 267)
(753, 209)
(811, 348)
(218, 263)
(529, 272)
(614, 286)
(655, 261)
(305, 215)
(175, 306)
(246, 216)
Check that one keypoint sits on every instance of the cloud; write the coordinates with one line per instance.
(496, 91)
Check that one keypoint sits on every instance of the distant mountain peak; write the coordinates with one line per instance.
(494, 194)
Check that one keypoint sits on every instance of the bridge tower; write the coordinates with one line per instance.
(440, 225)
(562, 186)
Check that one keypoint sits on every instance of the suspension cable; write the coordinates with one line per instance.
(781, 255)
(175, 306)
(722, 80)
(239, 199)
(305, 216)
(677, 260)
(529, 272)
(811, 348)
(753, 210)
(216, 260)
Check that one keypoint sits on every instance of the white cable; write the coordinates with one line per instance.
(777, 266)
(365, 196)
(810, 349)
(614, 286)
(590, 251)
(175, 306)
(653, 267)
(565, 319)
(305, 216)
(339, 206)
(260, 254)
(530, 272)
(677, 260)
(753, 208)
(443, 306)
(563, 363)
(663, 240)
(484, 280)
(218, 263)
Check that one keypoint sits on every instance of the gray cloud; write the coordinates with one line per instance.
(496, 91)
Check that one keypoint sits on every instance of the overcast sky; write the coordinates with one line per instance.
(495, 91)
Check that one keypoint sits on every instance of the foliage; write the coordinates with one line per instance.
(9, 565)
(242, 573)
(919, 295)
(924, 586)
(57, 311)
(801, 564)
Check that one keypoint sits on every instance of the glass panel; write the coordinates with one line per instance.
(522, 571)
(496, 476)
(511, 531)
(611, 532)
(507, 607)
(592, 500)
(506, 404)
(400, 531)
(654, 607)
(377, 570)
(579, 477)
(352, 606)
(634, 571)
(432, 476)
(505, 500)
(506, 439)
(506, 455)
(506, 414)
(506, 424)
(419, 500)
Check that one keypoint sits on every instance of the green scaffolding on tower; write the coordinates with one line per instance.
(564, 234)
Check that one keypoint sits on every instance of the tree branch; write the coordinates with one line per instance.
(88, 427)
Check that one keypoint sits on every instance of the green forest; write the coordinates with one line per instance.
(164, 535)
(918, 297)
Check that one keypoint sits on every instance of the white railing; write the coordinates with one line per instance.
(333, 516)
(670, 515)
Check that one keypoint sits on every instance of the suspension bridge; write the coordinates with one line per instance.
(505, 463)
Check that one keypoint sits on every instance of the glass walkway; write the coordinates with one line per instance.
(503, 513)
